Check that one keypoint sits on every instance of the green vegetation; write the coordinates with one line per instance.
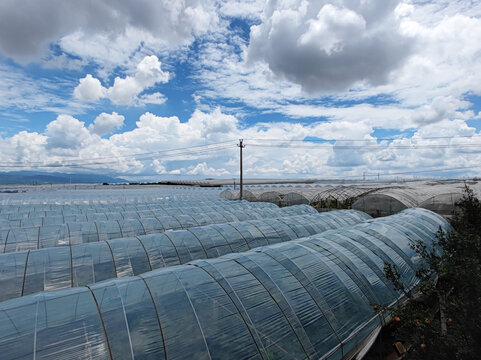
(442, 317)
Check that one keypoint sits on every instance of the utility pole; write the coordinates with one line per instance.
(241, 146)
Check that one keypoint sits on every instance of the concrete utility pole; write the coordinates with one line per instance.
(241, 146)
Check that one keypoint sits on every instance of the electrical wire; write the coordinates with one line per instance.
(164, 154)
(362, 147)
(373, 139)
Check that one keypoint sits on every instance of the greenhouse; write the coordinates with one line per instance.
(94, 194)
(440, 197)
(321, 197)
(54, 209)
(41, 218)
(26, 238)
(308, 298)
(24, 273)
(229, 194)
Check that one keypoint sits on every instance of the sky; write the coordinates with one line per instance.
(164, 89)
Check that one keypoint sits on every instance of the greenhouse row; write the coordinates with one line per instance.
(24, 273)
(308, 298)
(55, 209)
(91, 194)
(377, 199)
(326, 197)
(438, 197)
(26, 238)
(45, 218)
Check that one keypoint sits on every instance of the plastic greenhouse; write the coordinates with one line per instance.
(392, 200)
(51, 217)
(323, 198)
(91, 194)
(32, 271)
(307, 298)
(26, 238)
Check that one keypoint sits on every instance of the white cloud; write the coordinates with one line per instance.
(126, 91)
(89, 89)
(440, 109)
(204, 170)
(28, 27)
(106, 123)
(427, 87)
(66, 132)
(154, 98)
(148, 73)
(330, 27)
(325, 46)
(214, 124)
(251, 9)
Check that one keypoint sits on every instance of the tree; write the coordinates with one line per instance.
(442, 316)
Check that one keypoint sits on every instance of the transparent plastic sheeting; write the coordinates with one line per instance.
(25, 273)
(53, 218)
(308, 298)
(98, 194)
(80, 208)
(20, 239)
(33, 211)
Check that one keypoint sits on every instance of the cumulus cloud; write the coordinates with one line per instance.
(89, 89)
(330, 45)
(204, 170)
(28, 27)
(126, 91)
(441, 108)
(211, 125)
(148, 73)
(66, 132)
(106, 123)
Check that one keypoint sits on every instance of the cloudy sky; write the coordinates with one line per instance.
(160, 89)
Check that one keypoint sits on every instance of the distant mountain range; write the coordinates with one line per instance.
(39, 178)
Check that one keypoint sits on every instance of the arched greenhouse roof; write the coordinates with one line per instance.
(54, 209)
(90, 194)
(392, 200)
(20, 239)
(341, 193)
(443, 204)
(24, 273)
(42, 218)
(308, 298)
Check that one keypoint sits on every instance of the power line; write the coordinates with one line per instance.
(418, 171)
(373, 147)
(141, 154)
(165, 154)
(373, 139)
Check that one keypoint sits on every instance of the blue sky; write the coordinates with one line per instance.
(324, 89)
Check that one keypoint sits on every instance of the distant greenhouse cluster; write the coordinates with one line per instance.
(376, 199)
